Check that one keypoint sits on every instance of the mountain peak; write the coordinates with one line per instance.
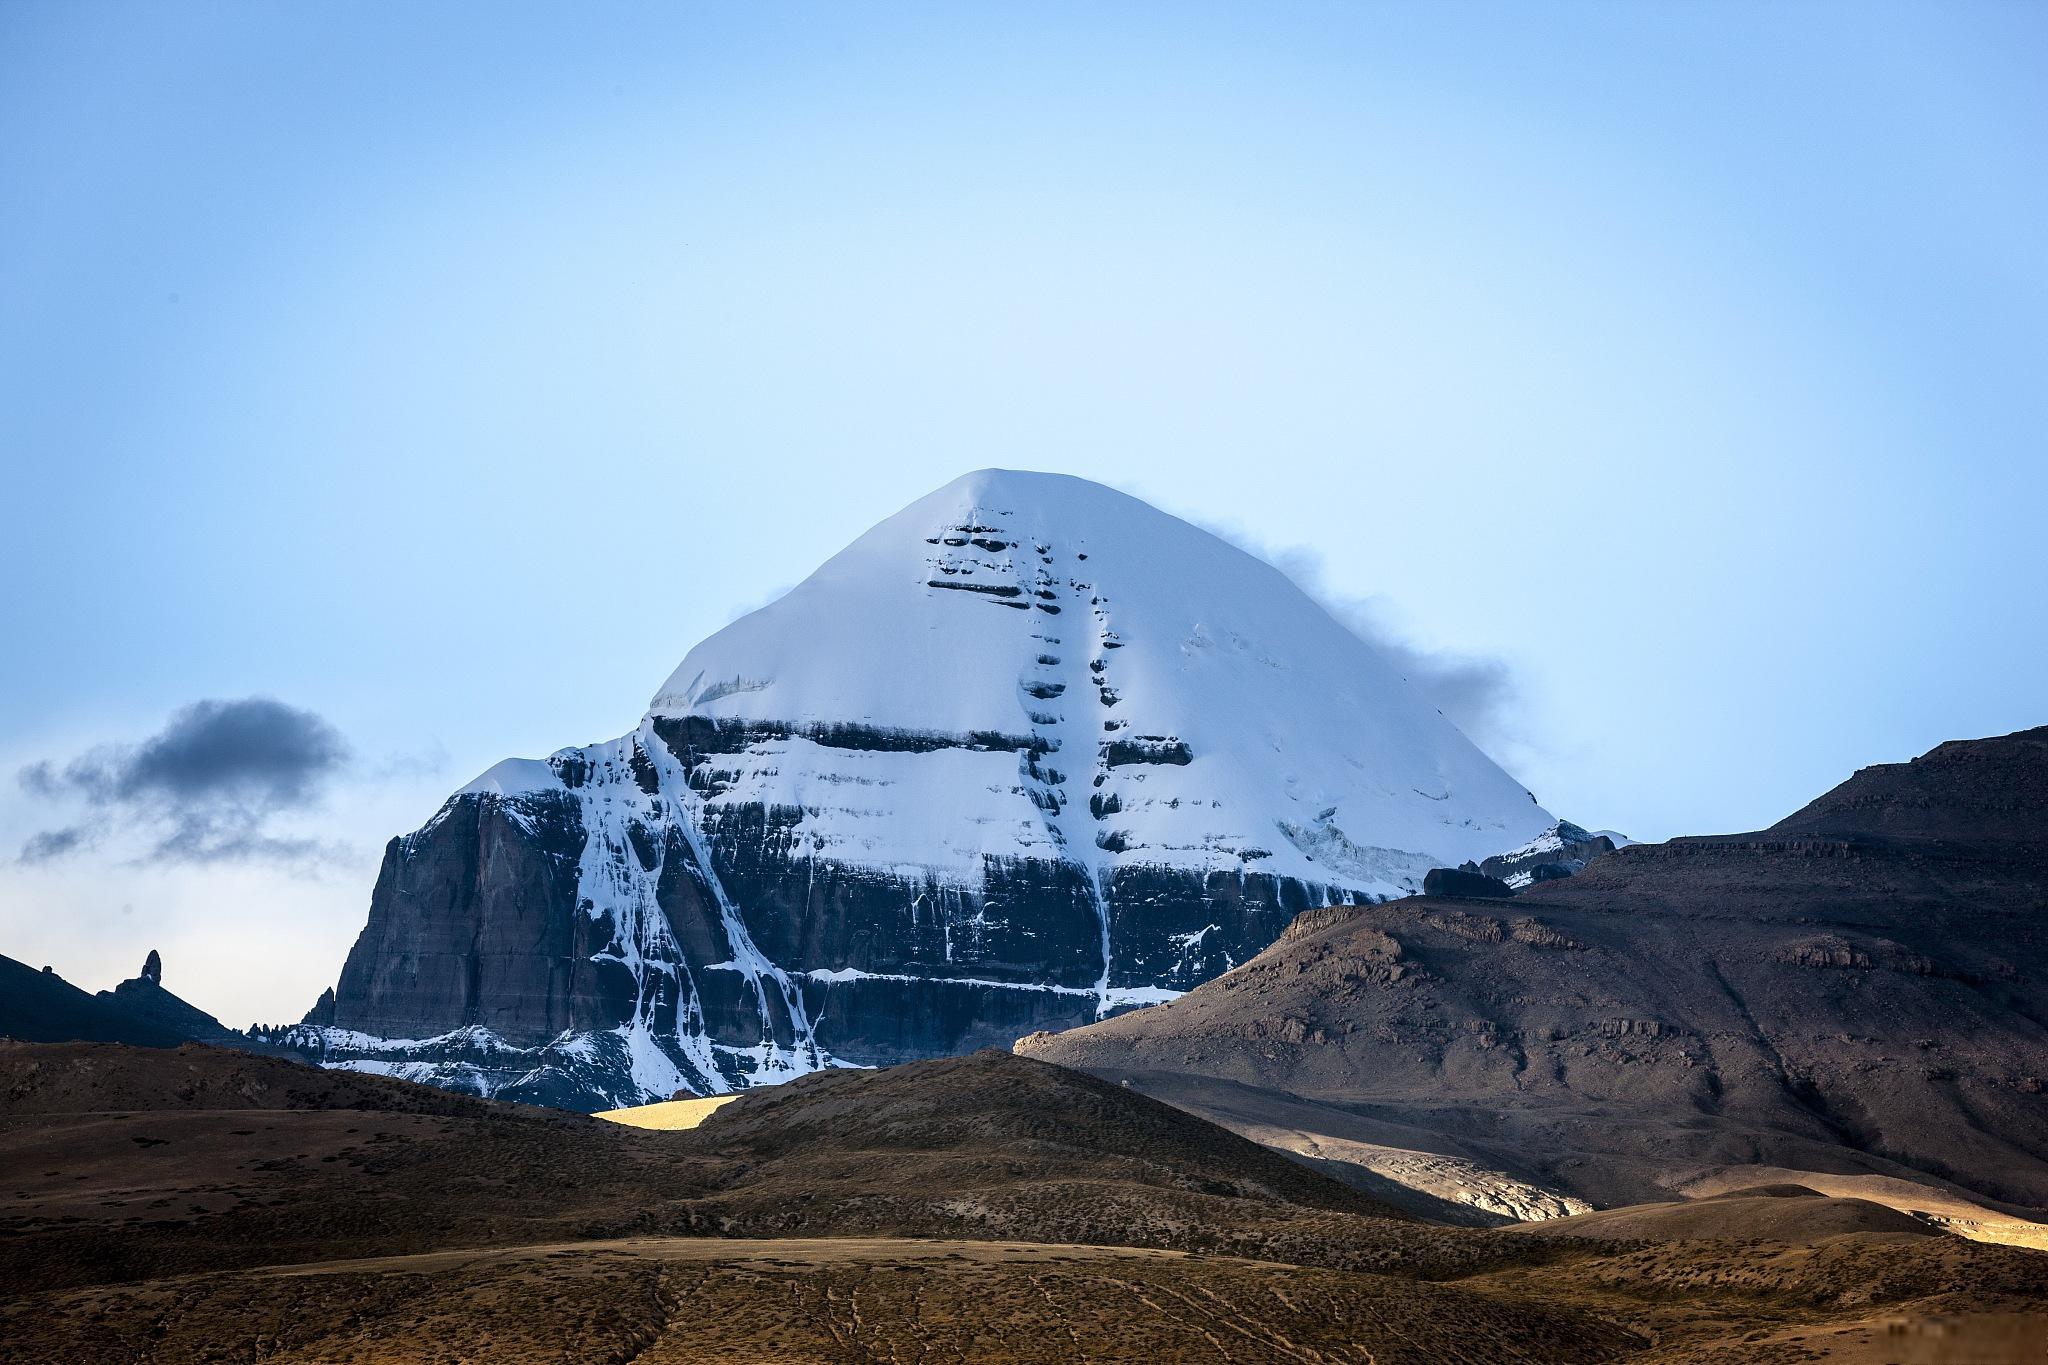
(1026, 753)
(1045, 612)
(1001, 485)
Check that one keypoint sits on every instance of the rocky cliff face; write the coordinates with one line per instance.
(1025, 755)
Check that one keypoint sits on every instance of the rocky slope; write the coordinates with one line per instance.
(1025, 754)
(1862, 988)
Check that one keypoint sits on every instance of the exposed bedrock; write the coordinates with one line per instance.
(479, 921)
(1029, 920)
(1454, 881)
(1176, 929)
(474, 921)
(880, 1022)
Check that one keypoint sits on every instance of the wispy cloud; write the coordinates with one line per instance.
(1476, 692)
(55, 843)
(204, 789)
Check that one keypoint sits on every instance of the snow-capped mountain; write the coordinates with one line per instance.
(1028, 752)
(1560, 851)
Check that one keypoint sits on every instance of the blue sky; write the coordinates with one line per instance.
(444, 372)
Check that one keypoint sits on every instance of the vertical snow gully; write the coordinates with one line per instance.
(611, 881)
(1102, 915)
(803, 1054)
(1048, 691)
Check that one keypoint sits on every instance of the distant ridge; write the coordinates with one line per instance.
(42, 1007)
(1861, 988)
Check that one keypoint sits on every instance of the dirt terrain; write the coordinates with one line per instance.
(206, 1205)
(656, 1300)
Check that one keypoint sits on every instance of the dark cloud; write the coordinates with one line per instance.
(255, 749)
(1478, 693)
(205, 786)
(54, 843)
(231, 839)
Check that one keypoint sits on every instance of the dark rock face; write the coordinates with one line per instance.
(1454, 881)
(322, 1013)
(1176, 929)
(883, 1022)
(593, 945)
(472, 919)
(1861, 988)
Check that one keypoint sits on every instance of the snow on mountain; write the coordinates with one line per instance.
(1027, 752)
(1047, 609)
(1560, 851)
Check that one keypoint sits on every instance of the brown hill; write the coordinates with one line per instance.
(140, 1162)
(160, 1210)
(1861, 988)
(133, 1163)
(939, 1127)
(1790, 1214)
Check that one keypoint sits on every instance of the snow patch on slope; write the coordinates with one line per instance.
(514, 777)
